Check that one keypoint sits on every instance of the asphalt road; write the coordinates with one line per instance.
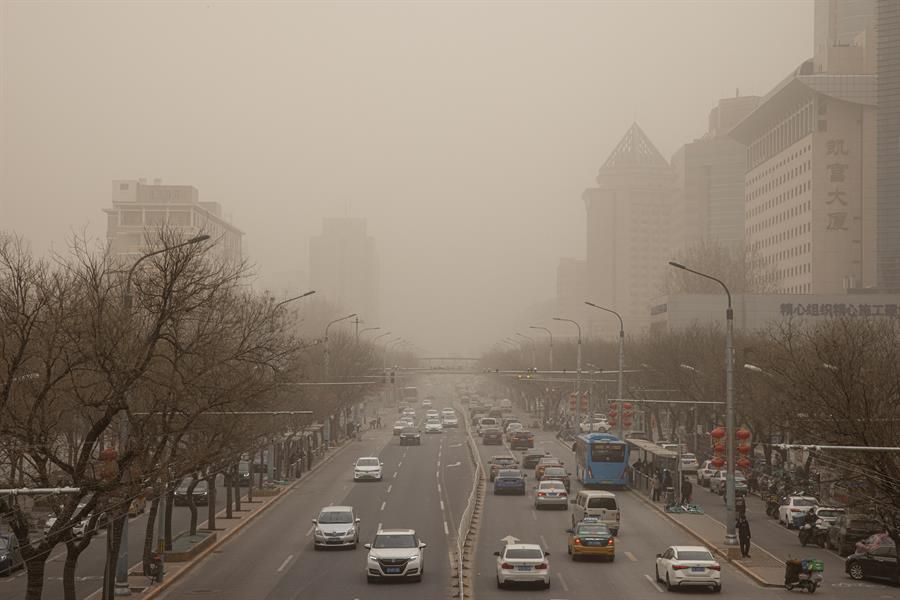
(89, 573)
(424, 488)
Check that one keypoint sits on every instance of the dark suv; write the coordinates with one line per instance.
(849, 529)
(410, 437)
(492, 436)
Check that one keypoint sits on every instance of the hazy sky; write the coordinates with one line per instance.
(464, 132)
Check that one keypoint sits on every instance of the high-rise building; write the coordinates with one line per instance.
(139, 208)
(343, 267)
(708, 204)
(842, 33)
(628, 239)
(888, 69)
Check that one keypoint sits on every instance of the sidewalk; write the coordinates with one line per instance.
(142, 589)
(762, 566)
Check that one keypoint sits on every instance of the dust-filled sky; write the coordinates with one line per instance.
(465, 132)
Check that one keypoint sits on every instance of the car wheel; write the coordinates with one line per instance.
(612, 558)
(717, 589)
(855, 570)
(316, 547)
(499, 583)
(569, 549)
(353, 546)
(370, 579)
(656, 574)
(417, 578)
(668, 583)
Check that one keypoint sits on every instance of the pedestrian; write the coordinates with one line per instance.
(743, 530)
(687, 489)
(740, 505)
(655, 485)
(378, 421)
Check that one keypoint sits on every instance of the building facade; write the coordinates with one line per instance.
(709, 180)
(628, 232)
(888, 68)
(138, 208)
(343, 267)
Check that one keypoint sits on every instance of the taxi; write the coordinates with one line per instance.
(591, 537)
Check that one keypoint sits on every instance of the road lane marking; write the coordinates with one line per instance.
(310, 530)
(383, 504)
(395, 474)
(389, 488)
(439, 463)
(399, 464)
(446, 531)
(544, 542)
(562, 582)
(630, 556)
(456, 464)
(653, 583)
(534, 515)
(442, 506)
(439, 488)
(379, 527)
(284, 564)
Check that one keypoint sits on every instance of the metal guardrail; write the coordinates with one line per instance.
(465, 531)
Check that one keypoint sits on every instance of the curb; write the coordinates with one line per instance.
(154, 592)
(740, 567)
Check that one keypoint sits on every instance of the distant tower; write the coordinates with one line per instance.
(628, 231)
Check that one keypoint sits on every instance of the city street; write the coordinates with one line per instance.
(424, 488)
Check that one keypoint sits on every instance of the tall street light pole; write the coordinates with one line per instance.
(283, 302)
(362, 331)
(533, 349)
(621, 365)
(122, 587)
(327, 357)
(577, 375)
(550, 333)
(730, 537)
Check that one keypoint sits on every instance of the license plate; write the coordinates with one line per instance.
(392, 570)
(523, 568)
(698, 569)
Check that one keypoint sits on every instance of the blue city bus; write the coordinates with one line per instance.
(601, 459)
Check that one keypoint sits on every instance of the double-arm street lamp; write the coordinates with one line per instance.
(577, 374)
(326, 340)
(730, 537)
(621, 363)
(362, 331)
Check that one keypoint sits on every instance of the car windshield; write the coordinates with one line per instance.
(409, 430)
(524, 553)
(549, 471)
(592, 530)
(509, 474)
(4, 543)
(397, 540)
(688, 457)
(552, 485)
(607, 503)
(504, 460)
(804, 502)
(367, 462)
(399, 423)
(433, 422)
(694, 555)
(342, 516)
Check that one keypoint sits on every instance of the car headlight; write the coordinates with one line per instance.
(319, 531)
(414, 557)
(351, 531)
(372, 559)
(4, 556)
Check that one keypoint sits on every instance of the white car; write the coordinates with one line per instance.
(448, 411)
(426, 402)
(513, 427)
(336, 526)
(395, 554)
(689, 463)
(409, 412)
(688, 566)
(486, 423)
(450, 421)
(717, 482)
(367, 467)
(706, 472)
(522, 563)
(432, 414)
(795, 507)
(434, 426)
(829, 514)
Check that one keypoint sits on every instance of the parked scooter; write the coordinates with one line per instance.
(772, 504)
(803, 574)
(813, 534)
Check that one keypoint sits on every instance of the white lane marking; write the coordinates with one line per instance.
(395, 474)
(630, 556)
(284, 564)
(389, 488)
(383, 504)
(562, 582)
(439, 464)
(534, 515)
(442, 506)
(379, 527)
(439, 488)
(544, 543)
(310, 530)
(446, 531)
(653, 583)
(456, 464)
(455, 445)
(400, 464)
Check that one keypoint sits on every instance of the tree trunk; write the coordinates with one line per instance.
(228, 514)
(35, 573)
(113, 537)
(170, 505)
(191, 506)
(74, 548)
(211, 509)
(236, 484)
(147, 554)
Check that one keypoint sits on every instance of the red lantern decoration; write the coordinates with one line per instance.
(717, 433)
(626, 405)
(612, 413)
(719, 448)
(626, 422)
(612, 422)
(743, 463)
(742, 434)
(109, 454)
(744, 449)
(717, 462)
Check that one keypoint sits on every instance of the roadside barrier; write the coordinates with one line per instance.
(468, 523)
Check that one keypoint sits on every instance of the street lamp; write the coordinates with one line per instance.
(362, 331)
(326, 339)
(577, 374)
(621, 362)
(309, 293)
(533, 349)
(730, 536)
(122, 587)
(550, 333)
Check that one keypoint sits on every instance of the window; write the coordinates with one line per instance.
(395, 541)
(181, 218)
(132, 217)
(123, 187)
(524, 553)
(694, 555)
(603, 502)
(607, 452)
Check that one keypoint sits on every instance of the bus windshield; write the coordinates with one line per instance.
(607, 452)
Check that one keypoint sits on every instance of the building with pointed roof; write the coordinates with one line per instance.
(628, 222)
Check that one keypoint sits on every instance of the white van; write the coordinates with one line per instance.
(506, 405)
(487, 423)
(599, 505)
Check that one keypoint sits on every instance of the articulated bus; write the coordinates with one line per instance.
(601, 459)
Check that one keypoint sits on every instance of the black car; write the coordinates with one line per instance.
(200, 493)
(531, 459)
(849, 529)
(521, 440)
(879, 563)
(510, 481)
(10, 554)
(410, 437)
(492, 437)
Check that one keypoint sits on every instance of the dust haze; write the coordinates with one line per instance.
(463, 132)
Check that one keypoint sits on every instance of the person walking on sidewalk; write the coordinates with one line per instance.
(655, 484)
(687, 490)
(743, 530)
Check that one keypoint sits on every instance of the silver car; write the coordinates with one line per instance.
(336, 526)
(551, 493)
